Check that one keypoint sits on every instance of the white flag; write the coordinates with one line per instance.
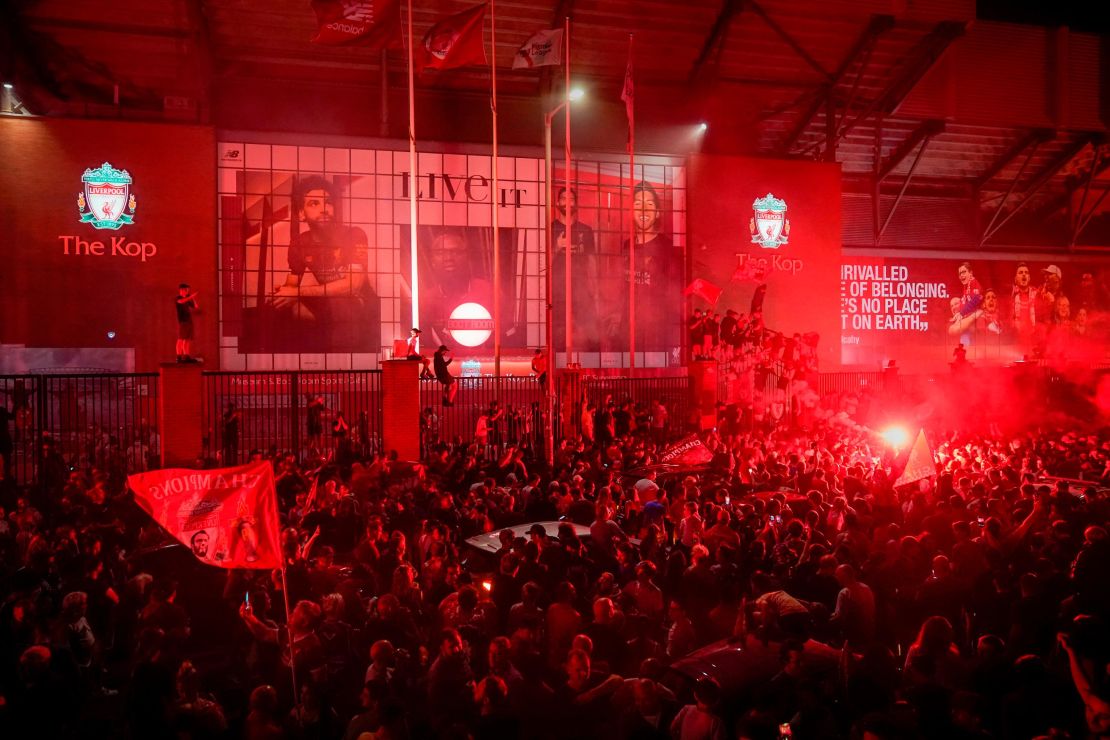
(543, 49)
(920, 464)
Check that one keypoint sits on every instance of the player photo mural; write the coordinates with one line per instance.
(456, 286)
(601, 215)
(315, 258)
(582, 243)
(321, 299)
(658, 276)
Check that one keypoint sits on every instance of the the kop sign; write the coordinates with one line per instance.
(107, 202)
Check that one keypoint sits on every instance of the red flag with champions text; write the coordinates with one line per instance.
(687, 451)
(228, 517)
(456, 41)
(361, 22)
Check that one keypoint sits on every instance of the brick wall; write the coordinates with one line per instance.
(401, 408)
(180, 400)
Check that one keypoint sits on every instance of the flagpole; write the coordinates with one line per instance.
(289, 629)
(263, 249)
(632, 221)
(568, 213)
(413, 261)
(285, 591)
(496, 196)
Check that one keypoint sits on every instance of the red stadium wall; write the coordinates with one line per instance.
(69, 284)
(801, 273)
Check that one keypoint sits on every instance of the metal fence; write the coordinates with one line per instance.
(107, 420)
(849, 382)
(295, 412)
(673, 392)
(521, 398)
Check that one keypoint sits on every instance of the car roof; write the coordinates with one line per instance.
(742, 664)
(490, 541)
(1075, 485)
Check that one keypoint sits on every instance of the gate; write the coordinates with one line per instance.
(293, 412)
(520, 397)
(673, 392)
(108, 421)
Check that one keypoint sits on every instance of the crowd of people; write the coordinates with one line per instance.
(744, 341)
(763, 373)
(786, 589)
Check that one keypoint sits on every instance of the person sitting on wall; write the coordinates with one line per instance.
(412, 352)
(539, 366)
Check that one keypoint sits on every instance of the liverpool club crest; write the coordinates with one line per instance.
(769, 226)
(107, 201)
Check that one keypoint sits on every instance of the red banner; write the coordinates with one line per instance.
(228, 517)
(364, 22)
(688, 451)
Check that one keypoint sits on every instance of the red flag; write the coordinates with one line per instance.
(920, 464)
(361, 22)
(456, 41)
(628, 95)
(703, 289)
(688, 451)
(227, 516)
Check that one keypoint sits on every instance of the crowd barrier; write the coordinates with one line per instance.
(106, 421)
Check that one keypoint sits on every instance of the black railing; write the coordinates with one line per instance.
(519, 397)
(107, 421)
(293, 412)
(672, 392)
(849, 382)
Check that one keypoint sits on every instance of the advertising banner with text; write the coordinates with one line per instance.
(917, 311)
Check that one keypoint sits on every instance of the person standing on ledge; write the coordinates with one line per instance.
(186, 304)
